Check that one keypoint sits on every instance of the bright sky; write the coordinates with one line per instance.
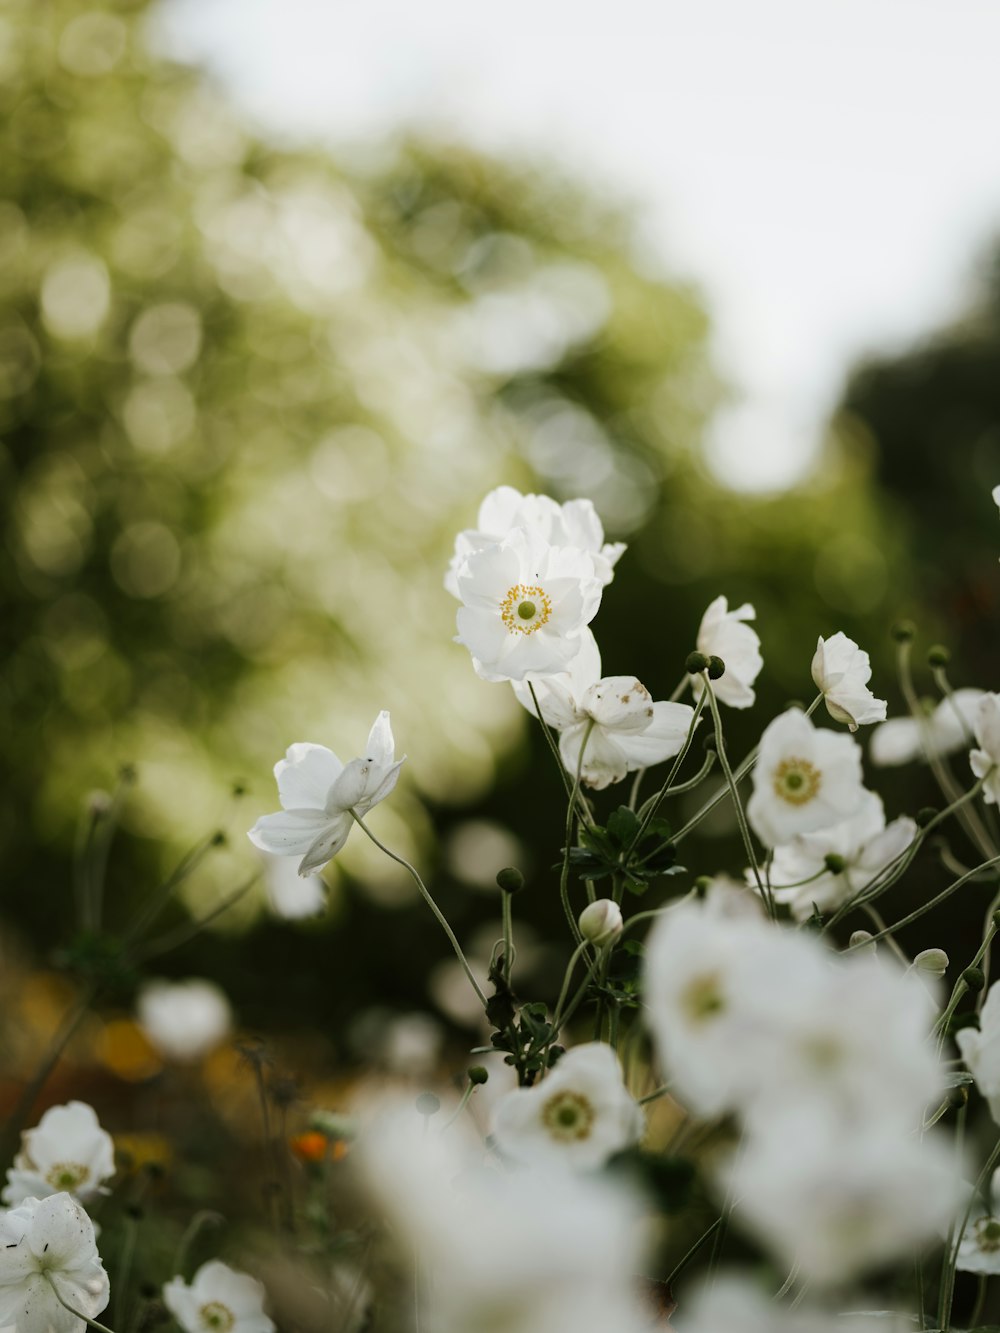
(827, 170)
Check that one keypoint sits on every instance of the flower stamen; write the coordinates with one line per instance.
(796, 781)
(525, 608)
(217, 1317)
(568, 1116)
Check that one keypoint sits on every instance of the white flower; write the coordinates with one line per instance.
(318, 793)
(981, 1050)
(986, 760)
(577, 1117)
(601, 922)
(996, 495)
(622, 726)
(979, 1249)
(291, 895)
(724, 633)
(219, 1300)
(184, 1020)
(948, 728)
(737, 1304)
(525, 605)
(48, 1255)
(804, 779)
(67, 1151)
(841, 670)
(865, 846)
(572, 524)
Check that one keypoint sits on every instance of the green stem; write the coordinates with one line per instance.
(693, 1250)
(650, 807)
(568, 976)
(926, 907)
(201, 1220)
(124, 1267)
(553, 747)
(953, 1243)
(574, 928)
(655, 1096)
(86, 1318)
(977, 1309)
(173, 939)
(508, 936)
(719, 796)
(470, 1089)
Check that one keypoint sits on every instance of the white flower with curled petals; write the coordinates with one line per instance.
(842, 670)
(505, 509)
(525, 606)
(318, 794)
(804, 779)
(48, 1261)
(623, 728)
(985, 760)
(724, 633)
(66, 1152)
(220, 1299)
(947, 729)
(577, 1117)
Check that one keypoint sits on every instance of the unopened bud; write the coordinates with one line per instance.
(958, 1096)
(702, 885)
(903, 631)
(477, 1074)
(601, 923)
(695, 664)
(428, 1104)
(938, 655)
(862, 937)
(710, 745)
(974, 978)
(510, 880)
(716, 667)
(932, 961)
(996, 918)
(834, 863)
(926, 815)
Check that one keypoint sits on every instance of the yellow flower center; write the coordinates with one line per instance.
(568, 1116)
(796, 781)
(67, 1175)
(525, 608)
(702, 997)
(217, 1317)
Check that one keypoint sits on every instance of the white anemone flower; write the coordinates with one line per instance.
(732, 1303)
(842, 670)
(577, 1117)
(66, 1152)
(947, 729)
(980, 1049)
(48, 1261)
(804, 779)
(979, 1249)
(985, 760)
(615, 715)
(574, 523)
(525, 605)
(724, 633)
(184, 1020)
(219, 1299)
(865, 846)
(318, 794)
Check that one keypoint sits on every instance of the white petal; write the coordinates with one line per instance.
(288, 832)
(381, 747)
(326, 845)
(305, 775)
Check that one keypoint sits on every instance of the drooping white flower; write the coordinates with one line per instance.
(291, 895)
(865, 846)
(184, 1020)
(219, 1299)
(624, 729)
(724, 633)
(48, 1257)
(947, 729)
(574, 523)
(576, 1117)
(979, 1248)
(524, 606)
(985, 760)
(318, 793)
(981, 1050)
(805, 779)
(842, 670)
(66, 1152)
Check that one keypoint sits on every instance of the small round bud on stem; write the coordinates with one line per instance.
(938, 655)
(903, 631)
(958, 1096)
(427, 1104)
(716, 667)
(996, 919)
(974, 979)
(695, 664)
(710, 745)
(932, 961)
(510, 880)
(926, 815)
(601, 923)
(701, 885)
(219, 838)
(477, 1075)
(862, 937)
(834, 863)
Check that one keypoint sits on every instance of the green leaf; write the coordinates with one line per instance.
(623, 825)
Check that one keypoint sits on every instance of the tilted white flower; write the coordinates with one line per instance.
(865, 846)
(985, 760)
(576, 1117)
(724, 633)
(66, 1152)
(622, 726)
(947, 728)
(804, 779)
(318, 793)
(979, 1248)
(842, 670)
(980, 1049)
(48, 1260)
(219, 1299)
(524, 606)
(574, 523)
(184, 1020)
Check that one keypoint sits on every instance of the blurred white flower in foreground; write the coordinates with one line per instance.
(980, 1049)
(804, 779)
(865, 846)
(947, 729)
(724, 633)
(574, 523)
(48, 1256)
(524, 606)
(577, 1116)
(67, 1151)
(627, 730)
(737, 1304)
(318, 793)
(979, 1250)
(291, 895)
(985, 760)
(184, 1020)
(219, 1300)
(842, 670)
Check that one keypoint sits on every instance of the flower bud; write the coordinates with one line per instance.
(974, 978)
(903, 631)
(601, 923)
(958, 1096)
(996, 918)
(477, 1074)
(716, 668)
(702, 884)
(510, 880)
(933, 961)
(938, 655)
(925, 815)
(862, 937)
(710, 745)
(834, 863)
(695, 664)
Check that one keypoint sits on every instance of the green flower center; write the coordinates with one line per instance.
(217, 1317)
(702, 998)
(568, 1116)
(525, 608)
(796, 781)
(988, 1234)
(67, 1175)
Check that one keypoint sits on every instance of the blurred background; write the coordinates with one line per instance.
(285, 289)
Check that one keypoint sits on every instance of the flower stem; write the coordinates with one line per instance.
(86, 1319)
(574, 928)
